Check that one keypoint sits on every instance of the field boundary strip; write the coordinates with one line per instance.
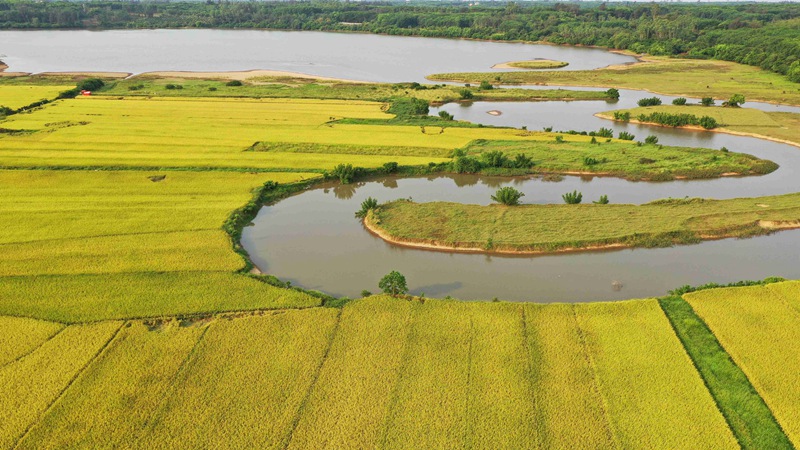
(534, 375)
(313, 382)
(609, 425)
(173, 384)
(468, 397)
(37, 347)
(69, 384)
(745, 411)
(394, 396)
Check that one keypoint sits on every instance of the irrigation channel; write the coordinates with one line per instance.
(313, 240)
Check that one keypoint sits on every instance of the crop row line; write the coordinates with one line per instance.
(69, 384)
(314, 379)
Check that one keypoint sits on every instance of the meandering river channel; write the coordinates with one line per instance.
(312, 238)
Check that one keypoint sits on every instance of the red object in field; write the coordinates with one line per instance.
(86, 92)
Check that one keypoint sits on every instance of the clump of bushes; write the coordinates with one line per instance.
(651, 140)
(622, 116)
(494, 159)
(680, 101)
(171, 86)
(707, 101)
(445, 115)
(572, 198)
(346, 173)
(485, 86)
(90, 84)
(233, 83)
(408, 107)
(613, 94)
(649, 101)
(507, 196)
(366, 206)
(679, 120)
(625, 136)
(602, 132)
(602, 201)
(390, 167)
(466, 94)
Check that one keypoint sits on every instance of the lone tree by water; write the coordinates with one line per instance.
(394, 283)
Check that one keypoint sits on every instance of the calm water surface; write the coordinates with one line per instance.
(313, 239)
(353, 56)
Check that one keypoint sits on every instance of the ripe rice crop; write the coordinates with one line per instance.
(246, 381)
(19, 336)
(31, 384)
(654, 396)
(17, 96)
(116, 396)
(757, 326)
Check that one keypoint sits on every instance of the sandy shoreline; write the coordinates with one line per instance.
(769, 225)
(713, 130)
(241, 75)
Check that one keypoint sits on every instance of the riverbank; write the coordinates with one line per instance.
(554, 229)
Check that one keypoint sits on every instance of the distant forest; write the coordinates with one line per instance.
(766, 35)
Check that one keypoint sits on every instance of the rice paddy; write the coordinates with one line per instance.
(91, 245)
(758, 326)
(127, 320)
(16, 97)
(379, 373)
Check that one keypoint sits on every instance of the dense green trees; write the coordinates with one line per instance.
(766, 35)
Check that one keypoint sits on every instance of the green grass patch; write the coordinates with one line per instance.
(757, 325)
(289, 87)
(627, 160)
(552, 228)
(776, 125)
(681, 77)
(537, 64)
(748, 416)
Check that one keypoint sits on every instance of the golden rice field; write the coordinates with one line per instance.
(758, 327)
(92, 245)
(206, 133)
(381, 372)
(17, 96)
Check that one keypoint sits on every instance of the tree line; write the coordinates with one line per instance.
(766, 35)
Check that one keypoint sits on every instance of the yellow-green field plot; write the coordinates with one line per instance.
(210, 133)
(80, 245)
(16, 96)
(758, 327)
(772, 125)
(381, 373)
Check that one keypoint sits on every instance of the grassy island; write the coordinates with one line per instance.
(775, 126)
(541, 229)
(534, 64)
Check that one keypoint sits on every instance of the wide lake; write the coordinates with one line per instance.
(362, 57)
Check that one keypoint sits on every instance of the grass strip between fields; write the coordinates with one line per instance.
(748, 416)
